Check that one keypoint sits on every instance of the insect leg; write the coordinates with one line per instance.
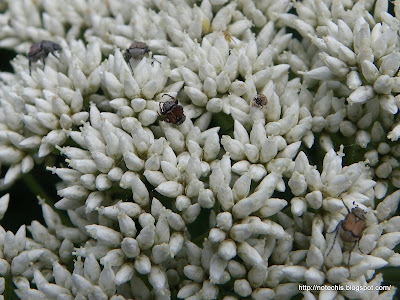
(358, 244)
(169, 96)
(348, 262)
(337, 231)
(348, 210)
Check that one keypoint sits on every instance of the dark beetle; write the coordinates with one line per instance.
(41, 50)
(351, 228)
(172, 111)
(137, 50)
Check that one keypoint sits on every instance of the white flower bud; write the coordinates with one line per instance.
(160, 253)
(272, 206)
(286, 290)
(182, 202)
(383, 170)
(194, 273)
(242, 287)
(91, 269)
(314, 276)
(158, 280)
(249, 254)
(241, 167)
(140, 193)
(389, 240)
(104, 234)
(236, 269)
(214, 105)
(162, 231)
(394, 134)
(347, 128)
(112, 85)
(102, 182)
(197, 96)
(175, 243)
(171, 189)
(257, 275)
(336, 66)
(191, 79)
(75, 192)
(130, 247)
(133, 162)
(4, 200)
(227, 249)
(191, 213)
(297, 183)
(337, 275)
(127, 225)
(321, 73)
(363, 138)
(146, 237)
(353, 79)
(388, 206)
(263, 294)
(225, 197)
(361, 94)
(268, 151)
(107, 281)
(189, 291)
(224, 221)
(217, 267)
(206, 198)
(234, 147)
(216, 235)
(175, 221)
(390, 64)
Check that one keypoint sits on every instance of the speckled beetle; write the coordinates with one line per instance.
(41, 50)
(260, 100)
(172, 111)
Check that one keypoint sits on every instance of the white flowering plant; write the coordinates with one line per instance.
(204, 149)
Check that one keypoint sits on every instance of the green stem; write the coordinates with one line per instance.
(38, 190)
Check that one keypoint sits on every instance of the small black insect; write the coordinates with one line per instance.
(351, 228)
(260, 100)
(41, 50)
(137, 50)
(172, 111)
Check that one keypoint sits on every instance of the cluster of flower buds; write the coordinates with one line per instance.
(205, 161)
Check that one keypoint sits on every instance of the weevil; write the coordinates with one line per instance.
(137, 50)
(172, 111)
(351, 228)
(41, 50)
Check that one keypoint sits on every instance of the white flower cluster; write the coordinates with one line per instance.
(249, 196)
(357, 57)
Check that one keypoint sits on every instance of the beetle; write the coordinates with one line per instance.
(41, 50)
(172, 111)
(137, 50)
(260, 100)
(351, 228)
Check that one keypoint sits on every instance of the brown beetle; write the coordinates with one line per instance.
(41, 50)
(351, 228)
(260, 100)
(172, 111)
(137, 50)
